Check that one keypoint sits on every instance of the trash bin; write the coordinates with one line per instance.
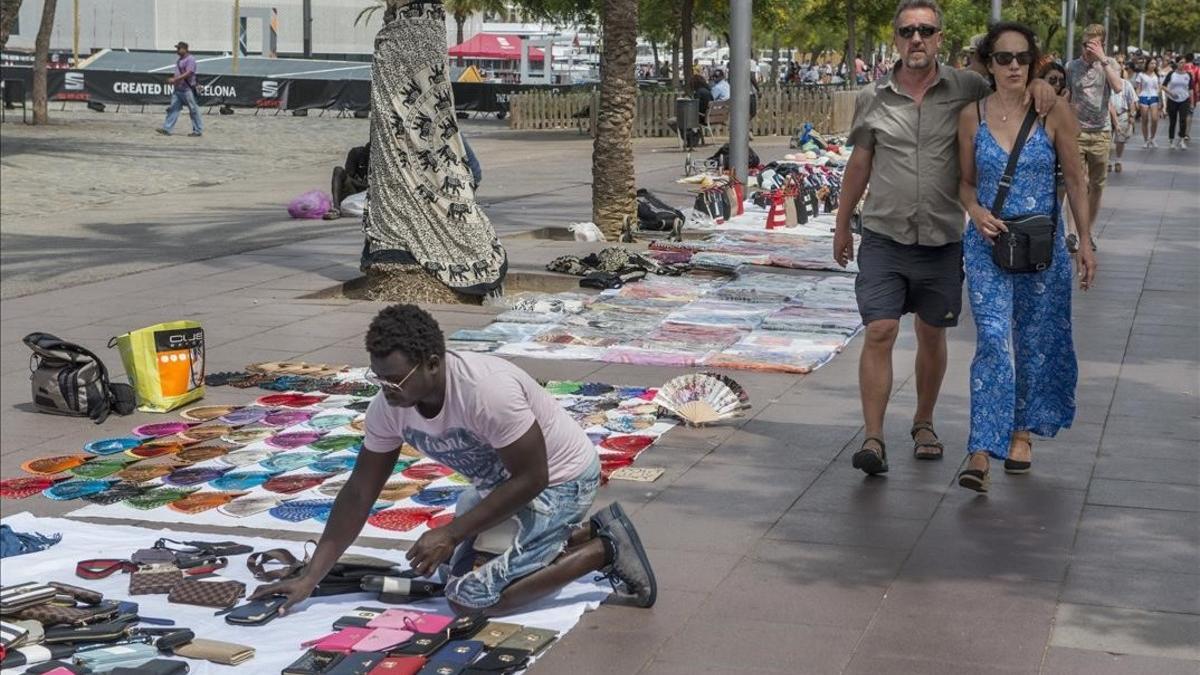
(687, 113)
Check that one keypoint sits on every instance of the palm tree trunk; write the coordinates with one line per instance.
(774, 59)
(459, 20)
(686, 28)
(613, 186)
(675, 73)
(8, 16)
(41, 55)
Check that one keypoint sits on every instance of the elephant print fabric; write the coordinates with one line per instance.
(421, 203)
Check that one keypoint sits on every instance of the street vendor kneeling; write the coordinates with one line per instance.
(526, 457)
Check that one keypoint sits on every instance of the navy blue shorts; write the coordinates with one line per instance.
(895, 279)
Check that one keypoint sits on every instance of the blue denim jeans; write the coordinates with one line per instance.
(545, 524)
(180, 98)
(19, 543)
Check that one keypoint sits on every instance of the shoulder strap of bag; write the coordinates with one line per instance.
(1013, 156)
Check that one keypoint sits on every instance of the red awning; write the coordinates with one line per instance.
(498, 47)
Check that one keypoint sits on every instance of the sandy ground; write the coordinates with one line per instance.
(85, 158)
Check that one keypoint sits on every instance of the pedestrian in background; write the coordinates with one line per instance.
(1122, 108)
(1177, 89)
(185, 93)
(1092, 78)
(1150, 108)
(1030, 386)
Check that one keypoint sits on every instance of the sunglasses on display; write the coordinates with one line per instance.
(1005, 58)
(925, 30)
(389, 386)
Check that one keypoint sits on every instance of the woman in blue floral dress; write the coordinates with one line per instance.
(1024, 373)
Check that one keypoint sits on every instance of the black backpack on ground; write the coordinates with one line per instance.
(721, 157)
(654, 214)
(70, 380)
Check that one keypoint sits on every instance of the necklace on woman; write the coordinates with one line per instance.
(1003, 113)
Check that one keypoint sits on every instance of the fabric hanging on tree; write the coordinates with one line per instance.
(421, 208)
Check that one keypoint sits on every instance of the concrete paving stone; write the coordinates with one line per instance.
(1137, 494)
(675, 461)
(1119, 467)
(893, 665)
(666, 525)
(1127, 631)
(872, 497)
(284, 341)
(755, 448)
(849, 565)
(1095, 584)
(987, 596)
(1013, 506)
(574, 370)
(1147, 448)
(1014, 640)
(302, 282)
(848, 529)
(734, 490)
(688, 571)
(671, 611)
(1165, 541)
(757, 591)
(598, 651)
(664, 668)
(1068, 661)
(761, 645)
(700, 437)
(335, 327)
(225, 358)
(339, 356)
(1011, 555)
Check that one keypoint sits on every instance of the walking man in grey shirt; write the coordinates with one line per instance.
(905, 138)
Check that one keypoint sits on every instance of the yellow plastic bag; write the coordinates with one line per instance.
(165, 364)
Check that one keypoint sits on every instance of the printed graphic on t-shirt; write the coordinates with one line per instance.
(463, 451)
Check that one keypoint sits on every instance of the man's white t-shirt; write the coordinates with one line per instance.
(490, 403)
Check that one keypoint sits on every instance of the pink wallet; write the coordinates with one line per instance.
(382, 639)
(342, 641)
(411, 620)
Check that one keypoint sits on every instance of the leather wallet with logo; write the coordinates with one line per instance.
(28, 656)
(106, 658)
(12, 634)
(532, 640)
(256, 612)
(19, 596)
(399, 665)
(408, 619)
(205, 548)
(313, 662)
(501, 660)
(357, 663)
(207, 592)
(109, 631)
(154, 579)
(496, 632)
(459, 651)
(442, 668)
(153, 556)
(360, 617)
(154, 667)
(466, 626)
(341, 641)
(58, 615)
(83, 595)
(215, 651)
(422, 644)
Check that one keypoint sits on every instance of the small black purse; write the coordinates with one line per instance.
(1028, 245)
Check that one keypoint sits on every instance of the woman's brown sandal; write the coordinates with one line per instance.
(974, 479)
(1016, 466)
(870, 461)
(926, 449)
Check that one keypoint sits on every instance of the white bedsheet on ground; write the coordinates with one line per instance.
(277, 644)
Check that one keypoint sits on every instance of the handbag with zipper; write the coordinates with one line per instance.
(1028, 244)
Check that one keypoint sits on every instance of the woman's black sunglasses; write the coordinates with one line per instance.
(924, 29)
(1005, 58)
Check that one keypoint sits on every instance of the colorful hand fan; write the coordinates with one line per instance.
(173, 439)
(200, 453)
(402, 519)
(56, 464)
(248, 436)
(339, 464)
(140, 473)
(288, 485)
(301, 509)
(286, 418)
(289, 400)
(203, 501)
(157, 429)
(20, 488)
(289, 461)
(439, 496)
(149, 451)
(702, 398)
(293, 439)
(627, 445)
(75, 489)
(194, 475)
(403, 463)
(101, 468)
(458, 478)
(243, 416)
(250, 505)
(427, 471)
(159, 497)
(117, 492)
(349, 442)
(327, 422)
(440, 520)
(246, 457)
(111, 446)
(409, 451)
(323, 517)
(240, 480)
(359, 406)
(206, 432)
(204, 413)
(626, 422)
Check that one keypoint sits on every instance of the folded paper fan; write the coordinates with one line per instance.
(203, 501)
(409, 451)
(440, 520)
(393, 491)
(301, 509)
(286, 418)
(323, 516)
(439, 496)
(701, 398)
(75, 489)
(427, 471)
(140, 473)
(205, 432)
(117, 492)
(287, 485)
(339, 464)
(146, 451)
(403, 519)
(293, 439)
(251, 505)
(349, 442)
(243, 416)
(248, 436)
(194, 475)
(290, 400)
(289, 461)
(246, 457)
(204, 413)
(236, 481)
(101, 468)
(157, 429)
(327, 422)
(200, 453)
(159, 497)
(56, 464)
(112, 446)
(20, 488)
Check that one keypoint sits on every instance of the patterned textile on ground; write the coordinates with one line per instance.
(721, 250)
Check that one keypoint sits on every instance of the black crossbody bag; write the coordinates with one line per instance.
(1028, 245)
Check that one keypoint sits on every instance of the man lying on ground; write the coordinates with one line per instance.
(526, 458)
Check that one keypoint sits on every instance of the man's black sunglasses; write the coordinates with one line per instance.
(924, 29)
(1005, 58)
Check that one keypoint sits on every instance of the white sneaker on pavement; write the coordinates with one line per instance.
(1183, 144)
(1172, 143)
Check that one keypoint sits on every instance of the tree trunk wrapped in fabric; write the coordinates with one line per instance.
(426, 238)
(614, 192)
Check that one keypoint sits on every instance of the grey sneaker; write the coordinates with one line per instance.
(631, 565)
(162, 131)
(194, 135)
(603, 517)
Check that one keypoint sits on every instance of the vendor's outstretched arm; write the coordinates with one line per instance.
(529, 474)
(350, 512)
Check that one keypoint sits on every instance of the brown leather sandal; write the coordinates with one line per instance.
(927, 449)
(1016, 466)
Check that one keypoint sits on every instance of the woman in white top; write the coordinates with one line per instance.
(1121, 107)
(1177, 89)
(1148, 88)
